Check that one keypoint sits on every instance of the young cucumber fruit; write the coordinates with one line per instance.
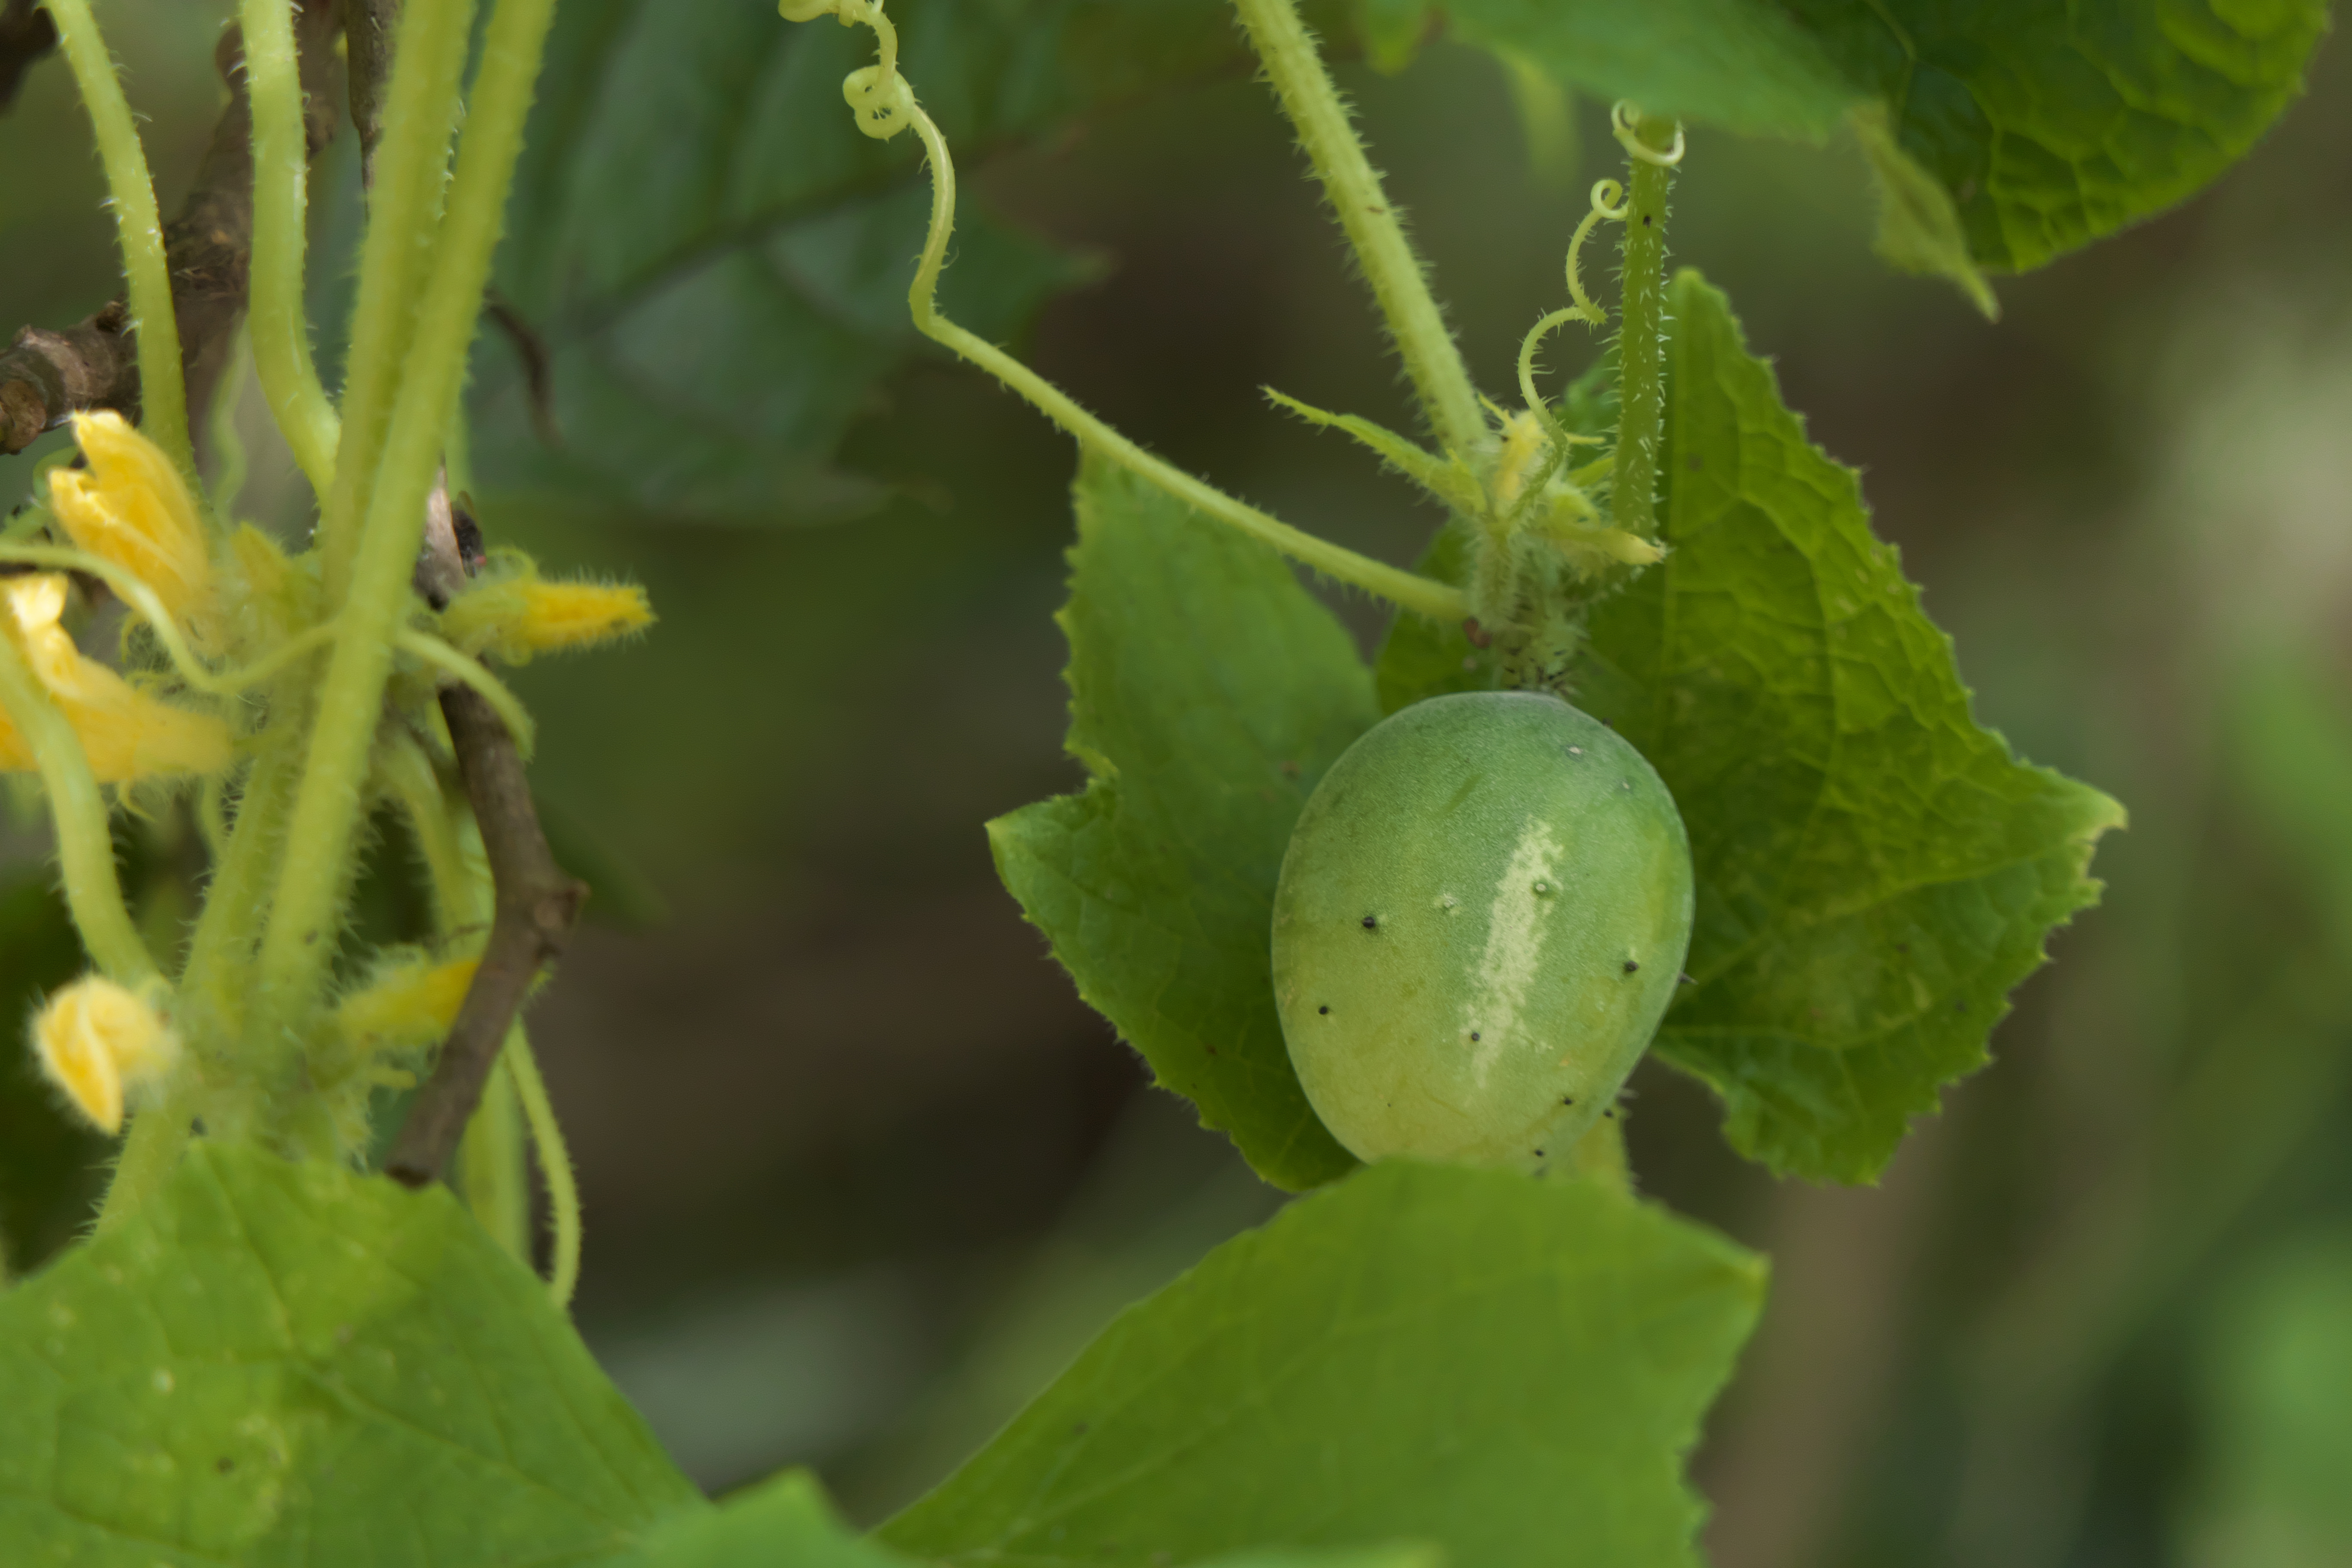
(1481, 918)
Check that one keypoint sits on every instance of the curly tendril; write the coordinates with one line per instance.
(880, 100)
(1609, 203)
(1623, 117)
(884, 104)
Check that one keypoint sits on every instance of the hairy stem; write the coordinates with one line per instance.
(150, 1155)
(138, 224)
(1642, 338)
(419, 115)
(326, 810)
(85, 844)
(278, 328)
(493, 1171)
(214, 984)
(554, 1164)
(1374, 230)
(1422, 595)
(407, 773)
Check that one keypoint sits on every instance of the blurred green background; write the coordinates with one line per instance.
(861, 1173)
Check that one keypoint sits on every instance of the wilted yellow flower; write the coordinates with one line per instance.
(128, 733)
(96, 1040)
(516, 616)
(410, 1005)
(131, 506)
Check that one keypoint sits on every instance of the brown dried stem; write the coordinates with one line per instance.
(535, 905)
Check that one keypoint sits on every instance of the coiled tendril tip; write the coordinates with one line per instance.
(1622, 116)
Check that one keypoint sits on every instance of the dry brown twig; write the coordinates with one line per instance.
(537, 902)
(47, 375)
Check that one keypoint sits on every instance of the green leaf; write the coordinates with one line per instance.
(783, 1523)
(716, 262)
(2022, 128)
(1208, 693)
(1875, 871)
(787, 1522)
(273, 1364)
(1508, 1369)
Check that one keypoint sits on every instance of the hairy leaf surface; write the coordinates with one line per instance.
(1208, 692)
(1505, 1368)
(273, 1364)
(2005, 132)
(1875, 871)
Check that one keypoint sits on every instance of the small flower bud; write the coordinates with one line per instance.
(515, 618)
(96, 1040)
(407, 1004)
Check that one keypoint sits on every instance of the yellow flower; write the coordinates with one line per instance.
(1524, 443)
(410, 1005)
(128, 733)
(96, 1040)
(516, 616)
(131, 506)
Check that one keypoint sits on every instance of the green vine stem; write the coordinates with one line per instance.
(554, 1164)
(162, 389)
(492, 1171)
(150, 1153)
(212, 983)
(1642, 333)
(420, 115)
(298, 943)
(276, 325)
(232, 464)
(1399, 280)
(1422, 595)
(85, 844)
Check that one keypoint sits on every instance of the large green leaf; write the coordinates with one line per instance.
(2005, 132)
(1875, 871)
(1208, 692)
(1507, 1368)
(273, 1364)
(717, 260)
(786, 1523)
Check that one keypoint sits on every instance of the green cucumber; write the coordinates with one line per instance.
(1482, 916)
